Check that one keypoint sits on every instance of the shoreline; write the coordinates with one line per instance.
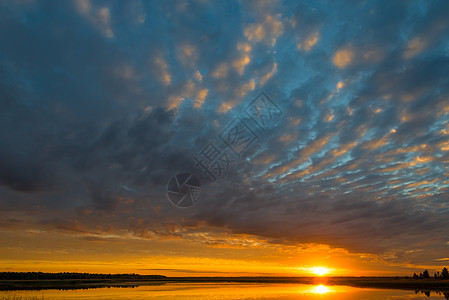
(361, 282)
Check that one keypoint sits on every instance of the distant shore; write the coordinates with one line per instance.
(371, 282)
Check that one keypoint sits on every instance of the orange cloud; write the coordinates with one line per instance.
(343, 149)
(99, 17)
(188, 91)
(225, 107)
(268, 30)
(187, 54)
(174, 101)
(302, 155)
(264, 159)
(343, 58)
(420, 183)
(198, 76)
(200, 97)
(414, 47)
(270, 74)
(240, 63)
(310, 41)
(221, 71)
(162, 70)
(422, 160)
(329, 117)
(242, 90)
(374, 144)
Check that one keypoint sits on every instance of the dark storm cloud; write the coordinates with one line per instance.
(102, 102)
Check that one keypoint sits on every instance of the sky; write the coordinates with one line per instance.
(343, 162)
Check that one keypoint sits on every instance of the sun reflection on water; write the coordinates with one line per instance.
(320, 289)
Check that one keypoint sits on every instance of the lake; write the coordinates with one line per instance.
(221, 291)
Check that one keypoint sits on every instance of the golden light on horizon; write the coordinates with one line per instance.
(320, 271)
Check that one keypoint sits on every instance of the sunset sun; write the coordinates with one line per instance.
(320, 271)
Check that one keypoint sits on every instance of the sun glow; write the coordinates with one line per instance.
(320, 271)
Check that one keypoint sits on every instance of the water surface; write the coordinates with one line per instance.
(222, 291)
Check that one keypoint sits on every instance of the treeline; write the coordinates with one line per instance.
(68, 275)
(444, 274)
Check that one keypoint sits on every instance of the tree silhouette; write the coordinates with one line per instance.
(67, 275)
(444, 273)
(437, 275)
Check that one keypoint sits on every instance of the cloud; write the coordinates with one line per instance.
(267, 76)
(162, 71)
(200, 97)
(414, 47)
(221, 71)
(268, 30)
(245, 88)
(308, 44)
(225, 107)
(187, 54)
(343, 57)
(99, 17)
(198, 76)
(239, 63)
